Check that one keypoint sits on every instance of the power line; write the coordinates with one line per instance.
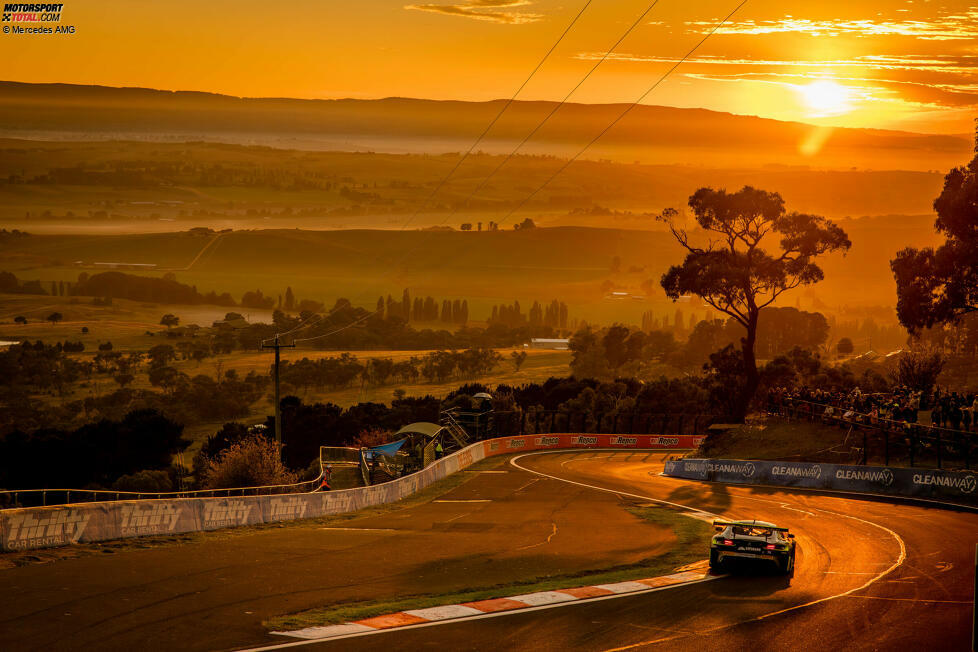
(624, 113)
(461, 160)
(498, 116)
(553, 111)
(590, 143)
(338, 330)
(546, 118)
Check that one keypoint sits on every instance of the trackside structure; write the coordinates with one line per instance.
(41, 527)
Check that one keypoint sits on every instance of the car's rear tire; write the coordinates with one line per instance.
(788, 566)
(714, 560)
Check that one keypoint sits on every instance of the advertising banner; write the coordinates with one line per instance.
(41, 527)
(954, 486)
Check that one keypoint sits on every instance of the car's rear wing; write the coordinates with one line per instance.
(742, 524)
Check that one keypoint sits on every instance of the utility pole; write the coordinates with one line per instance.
(278, 393)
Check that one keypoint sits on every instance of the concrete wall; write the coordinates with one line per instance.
(41, 527)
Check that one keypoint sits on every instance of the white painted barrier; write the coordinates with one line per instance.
(43, 527)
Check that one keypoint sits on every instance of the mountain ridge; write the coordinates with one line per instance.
(650, 133)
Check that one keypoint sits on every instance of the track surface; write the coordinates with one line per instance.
(846, 547)
(214, 594)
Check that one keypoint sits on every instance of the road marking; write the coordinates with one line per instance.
(455, 518)
(481, 500)
(535, 545)
(533, 481)
(876, 597)
(899, 562)
(362, 529)
(693, 512)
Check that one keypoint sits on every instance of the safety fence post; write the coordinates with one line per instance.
(886, 448)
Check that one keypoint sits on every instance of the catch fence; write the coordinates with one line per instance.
(633, 422)
(887, 440)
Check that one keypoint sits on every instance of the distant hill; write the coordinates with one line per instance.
(652, 134)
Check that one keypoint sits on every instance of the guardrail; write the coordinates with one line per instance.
(953, 486)
(13, 498)
(39, 527)
(887, 439)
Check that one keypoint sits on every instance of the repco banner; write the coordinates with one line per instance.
(956, 486)
(40, 527)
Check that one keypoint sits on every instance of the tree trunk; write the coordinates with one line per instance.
(751, 376)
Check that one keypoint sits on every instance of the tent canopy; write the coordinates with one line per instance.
(425, 428)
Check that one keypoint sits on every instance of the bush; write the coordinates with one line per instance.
(253, 461)
(148, 481)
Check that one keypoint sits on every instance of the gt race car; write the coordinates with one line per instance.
(752, 541)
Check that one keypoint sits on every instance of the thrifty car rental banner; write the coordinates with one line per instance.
(41, 527)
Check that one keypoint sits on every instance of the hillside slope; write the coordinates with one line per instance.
(648, 133)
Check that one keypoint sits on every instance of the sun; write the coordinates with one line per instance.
(826, 97)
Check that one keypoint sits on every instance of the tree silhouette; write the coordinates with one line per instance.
(169, 320)
(518, 357)
(938, 286)
(844, 347)
(55, 317)
(735, 274)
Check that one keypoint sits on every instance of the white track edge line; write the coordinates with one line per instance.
(899, 562)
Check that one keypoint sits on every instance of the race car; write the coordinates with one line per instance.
(752, 541)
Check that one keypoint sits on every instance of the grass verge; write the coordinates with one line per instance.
(690, 546)
(772, 438)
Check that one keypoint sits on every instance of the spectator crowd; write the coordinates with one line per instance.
(903, 406)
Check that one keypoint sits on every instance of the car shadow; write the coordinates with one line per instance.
(746, 579)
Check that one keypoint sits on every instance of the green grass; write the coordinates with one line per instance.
(773, 438)
(691, 535)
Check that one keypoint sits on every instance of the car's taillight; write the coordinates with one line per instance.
(771, 546)
(728, 542)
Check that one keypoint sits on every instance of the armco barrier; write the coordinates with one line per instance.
(954, 486)
(41, 527)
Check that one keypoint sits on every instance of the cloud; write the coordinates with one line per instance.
(949, 27)
(934, 80)
(965, 65)
(494, 11)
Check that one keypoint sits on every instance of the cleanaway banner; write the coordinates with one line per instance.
(956, 486)
(42, 527)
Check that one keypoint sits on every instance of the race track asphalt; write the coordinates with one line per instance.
(871, 575)
(214, 594)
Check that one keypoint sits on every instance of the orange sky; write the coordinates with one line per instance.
(906, 64)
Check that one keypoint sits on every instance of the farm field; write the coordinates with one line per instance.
(572, 264)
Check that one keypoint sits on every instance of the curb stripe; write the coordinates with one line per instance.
(481, 608)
